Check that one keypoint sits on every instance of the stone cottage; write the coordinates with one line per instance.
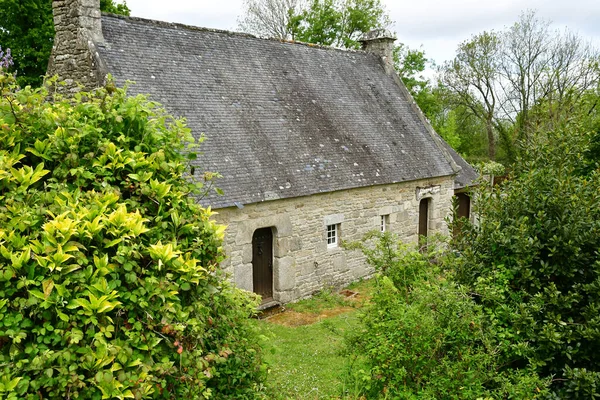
(315, 145)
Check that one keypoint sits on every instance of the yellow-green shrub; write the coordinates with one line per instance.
(109, 278)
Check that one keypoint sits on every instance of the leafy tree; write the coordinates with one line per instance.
(459, 126)
(473, 76)
(337, 23)
(110, 285)
(27, 28)
(503, 77)
(110, 6)
(410, 65)
(543, 67)
(525, 59)
(533, 261)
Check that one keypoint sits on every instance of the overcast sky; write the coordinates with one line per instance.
(436, 25)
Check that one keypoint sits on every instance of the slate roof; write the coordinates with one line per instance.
(467, 175)
(281, 119)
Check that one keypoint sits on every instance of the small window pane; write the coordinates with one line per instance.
(384, 223)
(331, 235)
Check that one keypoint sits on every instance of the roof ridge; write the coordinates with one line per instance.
(167, 24)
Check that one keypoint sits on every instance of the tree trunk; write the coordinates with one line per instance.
(491, 139)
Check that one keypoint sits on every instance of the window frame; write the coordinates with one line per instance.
(384, 223)
(332, 231)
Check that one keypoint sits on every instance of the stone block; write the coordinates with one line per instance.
(286, 297)
(386, 210)
(339, 263)
(245, 230)
(284, 274)
(247, 254)
(333, 219)
(286, 245)
(295, 244)
(321, 247)
(307, 268)
(243, 277)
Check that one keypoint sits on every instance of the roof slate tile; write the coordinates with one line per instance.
(281, 119)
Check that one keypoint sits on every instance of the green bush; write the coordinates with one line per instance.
(425, 337)
(534, 262)
(109, 278)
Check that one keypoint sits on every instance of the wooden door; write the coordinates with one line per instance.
(262, 263)
(423, 217)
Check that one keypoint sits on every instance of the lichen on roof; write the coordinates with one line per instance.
(274, 111)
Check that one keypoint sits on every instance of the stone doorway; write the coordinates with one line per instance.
(423, 218)
(262, 263)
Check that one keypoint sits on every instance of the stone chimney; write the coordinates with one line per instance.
(74, 59)
(380, 42)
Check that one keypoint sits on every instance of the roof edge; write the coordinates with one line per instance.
(434, 135)
(166, 24)
(235, 203)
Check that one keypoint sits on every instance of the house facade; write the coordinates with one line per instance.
(315, 145)
(305, 233)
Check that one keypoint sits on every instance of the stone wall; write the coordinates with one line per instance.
(74, 57)
(303, 264)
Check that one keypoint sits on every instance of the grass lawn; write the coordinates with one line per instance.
(305, 344)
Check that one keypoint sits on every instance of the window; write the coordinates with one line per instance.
(385, 222)
(332, 224)
(332, 235)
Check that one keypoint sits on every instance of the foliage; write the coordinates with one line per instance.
(109, 278)
(425, 337)
(471, 77)
(491, 168)
(410, 63)
(326, 22)
(521, 80)
(534, 263)
(338, 23)
(456, 124)
(110, 6)
(26, 26)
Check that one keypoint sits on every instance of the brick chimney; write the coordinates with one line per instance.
(74, 59)
(380, 42)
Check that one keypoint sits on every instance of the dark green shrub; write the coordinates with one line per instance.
(109, 278)
(534, 262)
(425, 337)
